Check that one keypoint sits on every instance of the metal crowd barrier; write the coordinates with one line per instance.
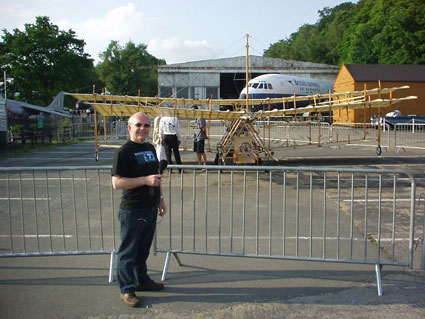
(53, 211)
(361, 216)
(409, 135)
(359, 134)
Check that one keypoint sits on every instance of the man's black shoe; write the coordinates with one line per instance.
(152, 286)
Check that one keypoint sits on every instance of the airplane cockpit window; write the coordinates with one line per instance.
(255, 85)
(270, 86)
(250, 85)
(260, 86)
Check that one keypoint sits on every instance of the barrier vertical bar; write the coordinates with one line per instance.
(379, 216)
(35, 211)
(257, 215)
(297, 211)
(243, 212)
(394, 216)
(338, 217)
(170, 211)
(75, 210)
(22, 212)
(284, 213)
(48, 211)
(9, 210)
(61, 209)
(87, 207)
(100, 209)
(219, 209)
(231, 211)
(324, 216)
(194, 210)
(352, 217)
(412, 222)
(181, 210)
(366, 198)
(311, 215)
(113, 215)
(206, 210)
(270, 211)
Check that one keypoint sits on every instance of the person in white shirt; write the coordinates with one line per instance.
(170, 134)
(156, 140)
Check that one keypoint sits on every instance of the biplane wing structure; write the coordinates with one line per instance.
(241, 140)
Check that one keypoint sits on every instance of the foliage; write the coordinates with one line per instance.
(127, 69)
(43, 61)
(371, 31)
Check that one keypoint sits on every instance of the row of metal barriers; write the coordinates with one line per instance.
(360, 216)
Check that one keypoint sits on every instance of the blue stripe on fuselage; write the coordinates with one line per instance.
(265, 95)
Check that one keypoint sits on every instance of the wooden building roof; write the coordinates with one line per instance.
(387, 72)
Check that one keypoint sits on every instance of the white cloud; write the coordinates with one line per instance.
(175, 50)
(121, 24)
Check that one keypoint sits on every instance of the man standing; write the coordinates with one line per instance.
(170, 133)
(156, 140)
(200, 136)
(135, 171)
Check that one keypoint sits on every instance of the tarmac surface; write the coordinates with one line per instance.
(213, 286)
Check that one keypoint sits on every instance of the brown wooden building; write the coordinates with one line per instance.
(354, 77)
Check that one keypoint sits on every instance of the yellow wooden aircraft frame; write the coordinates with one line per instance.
(123, 106)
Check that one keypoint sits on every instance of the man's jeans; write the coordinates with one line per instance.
(137, 231)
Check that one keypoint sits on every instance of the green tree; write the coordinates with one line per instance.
(371, 31)
(386, 32)
(44, 60)
(127, 69)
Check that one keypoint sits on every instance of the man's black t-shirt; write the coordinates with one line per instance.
(135, 160)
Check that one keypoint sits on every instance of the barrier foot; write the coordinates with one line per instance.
(178, 259)
(111, 267)
(378, 268)
(166, 264)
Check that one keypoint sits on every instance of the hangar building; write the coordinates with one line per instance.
(354, 77)
(225, 78)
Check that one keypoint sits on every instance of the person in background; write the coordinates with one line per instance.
(135, 171)
(199, 139)
(156, 140)
(170, 134)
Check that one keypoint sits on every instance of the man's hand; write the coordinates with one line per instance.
(162, 209)
(153, 180)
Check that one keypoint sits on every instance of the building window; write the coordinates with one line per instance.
(165, 91)
(212, 92)
(183, 92)
(196, 92)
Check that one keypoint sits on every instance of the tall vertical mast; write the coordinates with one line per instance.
(247, 74)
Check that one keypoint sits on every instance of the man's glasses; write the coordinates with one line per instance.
(146, 125)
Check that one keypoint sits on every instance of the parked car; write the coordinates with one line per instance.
(389, 121)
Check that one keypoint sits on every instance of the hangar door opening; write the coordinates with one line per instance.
(231, 84)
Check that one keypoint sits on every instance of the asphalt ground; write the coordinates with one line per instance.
(213, 286)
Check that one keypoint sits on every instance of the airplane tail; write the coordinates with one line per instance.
(58, 103)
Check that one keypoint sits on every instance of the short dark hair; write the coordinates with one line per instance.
(195, 107)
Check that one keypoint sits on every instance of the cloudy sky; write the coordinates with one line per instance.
(174, 30)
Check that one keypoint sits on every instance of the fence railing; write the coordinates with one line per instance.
(274, 133)
(409, 135)
(298, 213)
(360, 216)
